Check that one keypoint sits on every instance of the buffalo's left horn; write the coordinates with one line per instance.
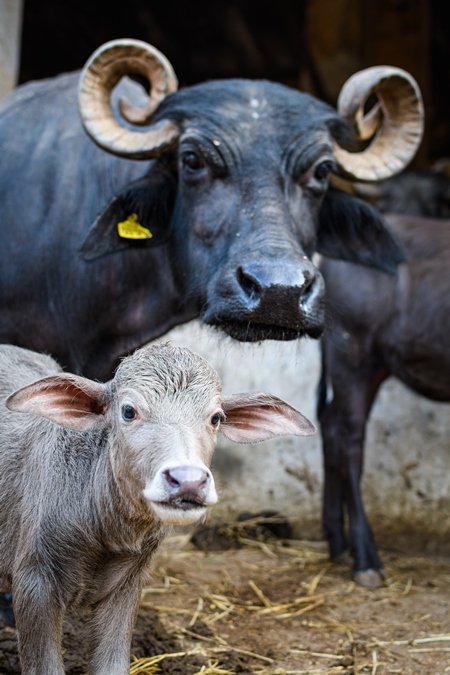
(107, 65)
(395, 124)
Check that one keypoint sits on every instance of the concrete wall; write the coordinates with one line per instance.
(406, 478)
(10, 28)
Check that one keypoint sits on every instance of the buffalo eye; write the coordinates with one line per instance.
(323, 170)
(192, 161)
(128, 413)
(215, 419)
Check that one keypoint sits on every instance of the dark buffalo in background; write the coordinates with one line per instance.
(416, 193)
(378, 326)
(226, 182)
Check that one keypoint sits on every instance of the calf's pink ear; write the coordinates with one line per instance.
(251, 418)
(69, 400)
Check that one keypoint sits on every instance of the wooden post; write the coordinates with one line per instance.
(10, 34)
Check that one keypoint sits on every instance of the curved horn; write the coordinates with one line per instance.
(107, 65)
(395, 123)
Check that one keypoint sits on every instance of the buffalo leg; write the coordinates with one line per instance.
(6, 610)
(343, 423)
(39, 618)
(112, 623)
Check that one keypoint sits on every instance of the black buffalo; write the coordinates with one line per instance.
(378, 326)
(224, 184)
(416, 193)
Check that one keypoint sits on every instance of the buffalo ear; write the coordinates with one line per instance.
(143, 208)
(251, 418)
(351, 229)
(69, 400)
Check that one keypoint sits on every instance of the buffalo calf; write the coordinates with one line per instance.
(91, 477)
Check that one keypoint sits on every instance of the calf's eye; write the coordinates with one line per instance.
(128, 412)
(215, 419)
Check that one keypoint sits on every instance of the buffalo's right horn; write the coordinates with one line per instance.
(107, 65)
(394, 125)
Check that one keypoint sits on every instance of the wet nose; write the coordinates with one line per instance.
(285, 290)
(187, 482)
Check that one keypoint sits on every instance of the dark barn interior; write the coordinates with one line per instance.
(313, 45)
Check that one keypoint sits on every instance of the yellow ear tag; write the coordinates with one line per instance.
(131, 229)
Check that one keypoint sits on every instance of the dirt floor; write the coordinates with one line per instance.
(253, 603)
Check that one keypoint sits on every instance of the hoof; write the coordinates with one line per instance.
(370, 578)
(6, 610)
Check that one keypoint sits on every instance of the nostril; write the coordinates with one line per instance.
(307, 287)
(249, 284)
(171, 480)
